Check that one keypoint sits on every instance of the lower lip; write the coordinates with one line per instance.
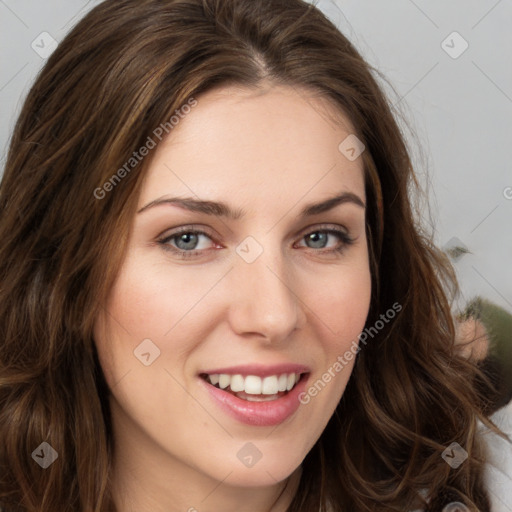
(260, 414)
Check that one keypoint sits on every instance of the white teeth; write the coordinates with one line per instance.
(269, 386)
(261, 398)
(237, 383)
(224, 380)
(254, 385)
(291, 381)
(282, 381)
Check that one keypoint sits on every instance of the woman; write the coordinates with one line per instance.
(214, 293)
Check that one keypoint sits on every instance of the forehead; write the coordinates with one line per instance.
(244, 145)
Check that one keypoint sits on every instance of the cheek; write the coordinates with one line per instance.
(146, 313)
(151, 301)
(148, 300)
(339, 308)
(341, 302)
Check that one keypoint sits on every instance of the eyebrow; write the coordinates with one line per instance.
(220, 209)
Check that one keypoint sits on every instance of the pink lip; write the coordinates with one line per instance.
(261, 414)
(260, 370)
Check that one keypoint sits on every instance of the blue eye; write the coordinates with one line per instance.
(320, 238)
(185, 242)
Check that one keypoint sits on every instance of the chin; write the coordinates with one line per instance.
(272, 467)
(260, 475)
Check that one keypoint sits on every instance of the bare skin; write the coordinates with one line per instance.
(472, 339)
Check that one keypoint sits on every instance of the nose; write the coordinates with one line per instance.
(263, 302)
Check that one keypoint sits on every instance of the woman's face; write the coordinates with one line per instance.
(239, 272)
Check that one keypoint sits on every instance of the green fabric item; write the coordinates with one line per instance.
(498, 323)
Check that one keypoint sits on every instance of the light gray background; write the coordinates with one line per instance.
(459, 108)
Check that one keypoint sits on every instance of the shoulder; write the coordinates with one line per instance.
(498, 473)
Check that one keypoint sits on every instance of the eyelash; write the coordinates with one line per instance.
(346, 241)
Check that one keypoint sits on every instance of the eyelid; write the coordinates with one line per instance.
(322, 227)
(189, 228)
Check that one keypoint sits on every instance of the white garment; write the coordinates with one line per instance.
(498, 475)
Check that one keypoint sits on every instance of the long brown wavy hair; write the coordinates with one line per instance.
(119, 74)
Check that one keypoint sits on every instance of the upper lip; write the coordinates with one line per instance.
(259, 369)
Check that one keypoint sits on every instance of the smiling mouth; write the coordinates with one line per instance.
(254, 388)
